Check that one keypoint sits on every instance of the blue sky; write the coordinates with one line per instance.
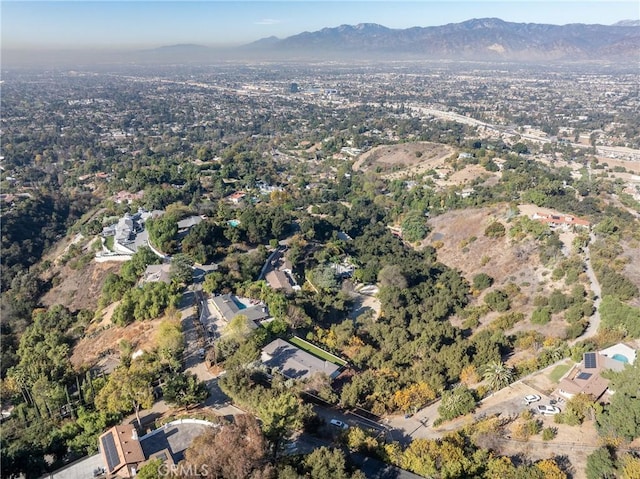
(77, 24)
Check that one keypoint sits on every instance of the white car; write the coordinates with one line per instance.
(547, 410)
(531, 398)
(340, 424)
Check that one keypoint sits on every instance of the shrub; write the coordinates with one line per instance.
(541, 315)
(573, 314)
(539, 301)
(575, 330)
(528, 428)
(558, 301)
(617, 315)
(482, 281)
(495, 230)
(507, 321)
(616, 284)
(471, 322)
(548, 433)
(497, 300)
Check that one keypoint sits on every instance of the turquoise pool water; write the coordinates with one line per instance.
(239, 304)
(233, 223)
(620, 357)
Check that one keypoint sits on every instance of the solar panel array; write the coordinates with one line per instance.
(584, 376)
(589, 360)
(110, 451)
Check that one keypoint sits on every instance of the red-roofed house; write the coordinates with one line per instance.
(560, 220)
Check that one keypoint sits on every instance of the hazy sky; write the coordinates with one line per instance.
(143, 23)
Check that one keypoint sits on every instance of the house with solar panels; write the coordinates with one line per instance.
(121, 451)
(586, 376)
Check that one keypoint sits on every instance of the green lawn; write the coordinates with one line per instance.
(311, 349)
(558, 372)
(108, 242)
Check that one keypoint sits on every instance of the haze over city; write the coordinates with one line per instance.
(38, 25)
(271, 239)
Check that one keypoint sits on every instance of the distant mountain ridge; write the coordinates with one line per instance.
(476, 39)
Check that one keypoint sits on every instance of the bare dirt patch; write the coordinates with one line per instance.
(631, 251)
(103, 338)
(461, 244)
(633, 166)
(466, 175)
(79, 288)
(403, 159)
(565, 444)
(465, 247)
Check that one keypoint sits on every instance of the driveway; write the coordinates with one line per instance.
(594, 321)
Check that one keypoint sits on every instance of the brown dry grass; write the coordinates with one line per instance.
(81, 288)
(103, 337)
(500, 258)
(504, 259)
(408, 158)
(632, 166)
(631, 251)
(466, 175)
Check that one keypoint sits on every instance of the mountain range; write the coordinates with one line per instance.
(476, 39)
(484, 39)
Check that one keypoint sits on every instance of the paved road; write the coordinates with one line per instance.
(352, 418)
(506, 402)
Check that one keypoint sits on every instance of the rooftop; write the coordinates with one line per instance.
(585, 377)
(295, 363)
(279, 280)
(189, 222)
(168, 443)
(120, 448)
(157, 272)
(229, 307)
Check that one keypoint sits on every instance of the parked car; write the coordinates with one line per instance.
(202, 353)
(531, 398)
(547, 410)
(338, 423)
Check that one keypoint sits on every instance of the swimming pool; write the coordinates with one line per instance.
(620, 357)
(233, 223)
(239, 303)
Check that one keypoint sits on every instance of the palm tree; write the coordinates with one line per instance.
(498, 375)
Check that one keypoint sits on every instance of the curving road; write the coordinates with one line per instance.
(594, 321)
